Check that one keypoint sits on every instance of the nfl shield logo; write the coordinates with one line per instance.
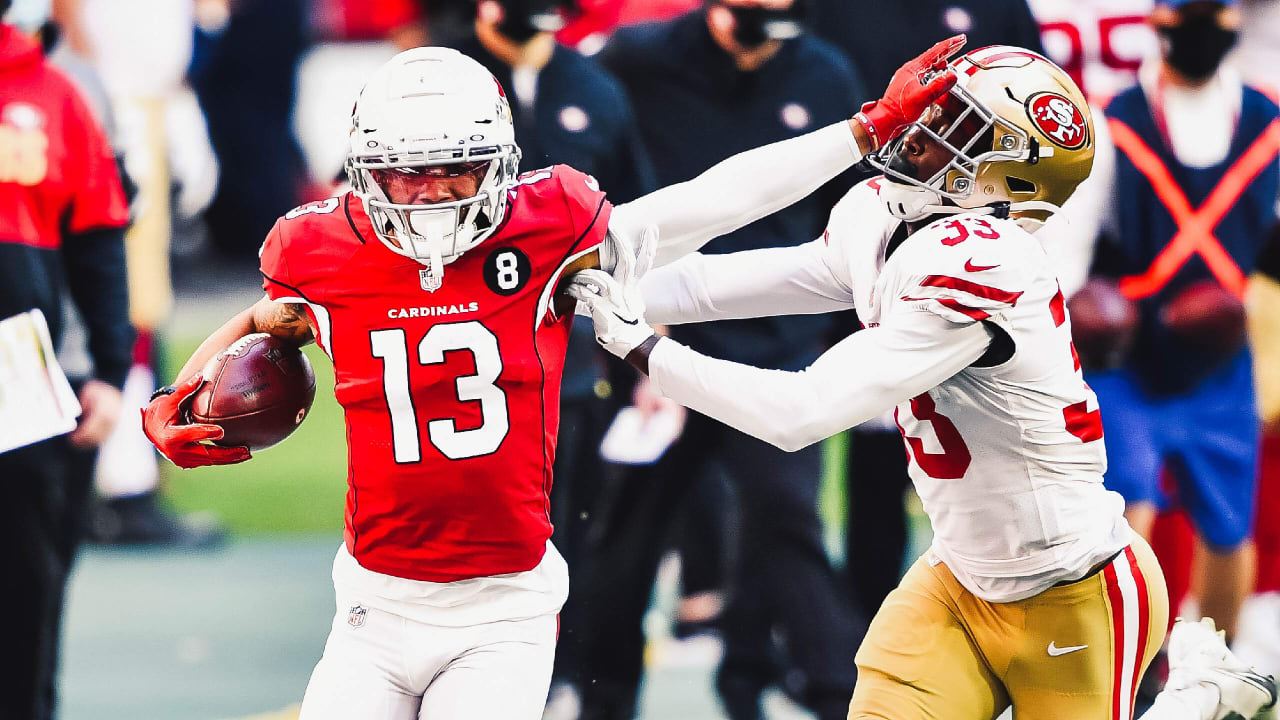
(429, 280)
(355, 617)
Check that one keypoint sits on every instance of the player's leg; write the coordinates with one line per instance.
(1133, 447)
(1217, 471)
(918, 661)
(1078, 650)
(363, 671)
(505, 673)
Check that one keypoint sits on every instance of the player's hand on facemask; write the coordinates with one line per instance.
(183, 443)
(627, 258)
(915, 86)
(616, 309)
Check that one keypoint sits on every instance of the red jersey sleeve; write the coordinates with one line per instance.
(588, 212)
(587, 206)
(99, 200)
(276, 278)
(304, 249)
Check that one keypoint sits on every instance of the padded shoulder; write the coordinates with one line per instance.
(965, 268)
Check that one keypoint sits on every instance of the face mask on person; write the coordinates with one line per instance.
(1195, 47)
(754, 26)
(522, 19)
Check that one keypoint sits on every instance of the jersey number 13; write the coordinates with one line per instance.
(392, 348)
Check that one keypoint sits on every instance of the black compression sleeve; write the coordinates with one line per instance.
(95, 268)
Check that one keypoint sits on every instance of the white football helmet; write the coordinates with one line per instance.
(433, 107)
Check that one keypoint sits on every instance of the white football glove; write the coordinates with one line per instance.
(616, 309)
(628, 258)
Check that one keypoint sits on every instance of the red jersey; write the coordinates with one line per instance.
(451, 396)
(57, 172)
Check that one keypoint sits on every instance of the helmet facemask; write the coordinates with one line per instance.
(961, 126)
(434, 234)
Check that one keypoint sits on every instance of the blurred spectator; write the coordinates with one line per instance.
(879, 37)
(1257, 56)
(363, 20)
(247, 87)
(141, 49)
(1100, 43)
(749, 75)
(591, 21)
(1194, 202)
(588, 23)
(566, 110)
(62, 210)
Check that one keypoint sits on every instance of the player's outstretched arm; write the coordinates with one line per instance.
(856, 380)
(862, 376)
(748, 186)
(754, 283)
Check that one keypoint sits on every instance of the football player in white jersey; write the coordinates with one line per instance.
(1035, 593)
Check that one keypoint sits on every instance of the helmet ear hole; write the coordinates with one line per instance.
(1018, 185)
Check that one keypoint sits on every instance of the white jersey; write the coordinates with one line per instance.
(1100, 43)
(1008, 459)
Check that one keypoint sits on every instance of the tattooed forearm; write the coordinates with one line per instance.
(287, 321)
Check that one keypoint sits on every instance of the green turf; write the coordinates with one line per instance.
(296, 486)
(833, 499)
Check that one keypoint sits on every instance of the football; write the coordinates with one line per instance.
(1103, 322)
(258, 390)
(1207, 315)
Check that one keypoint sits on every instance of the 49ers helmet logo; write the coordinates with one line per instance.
(1059, 119)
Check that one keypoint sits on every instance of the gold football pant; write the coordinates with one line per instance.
(935, 651)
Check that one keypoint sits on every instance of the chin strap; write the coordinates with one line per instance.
(435, 263)
(1001, 210)
(1035, 205)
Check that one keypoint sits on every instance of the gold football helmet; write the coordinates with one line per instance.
(1018, 133)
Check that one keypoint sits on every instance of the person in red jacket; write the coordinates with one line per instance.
(62, 218)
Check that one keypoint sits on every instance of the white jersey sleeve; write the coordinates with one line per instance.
(738, 191)
(753, 283)
(857, 379)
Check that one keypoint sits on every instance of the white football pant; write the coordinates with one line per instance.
(383, 666)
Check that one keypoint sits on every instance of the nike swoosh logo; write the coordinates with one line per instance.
(970, 267)
(1055, 651)
(629, 322)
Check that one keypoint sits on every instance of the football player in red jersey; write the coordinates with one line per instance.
(432, 286)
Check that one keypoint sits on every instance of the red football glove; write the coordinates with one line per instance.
(162, 421)
(908, 94)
